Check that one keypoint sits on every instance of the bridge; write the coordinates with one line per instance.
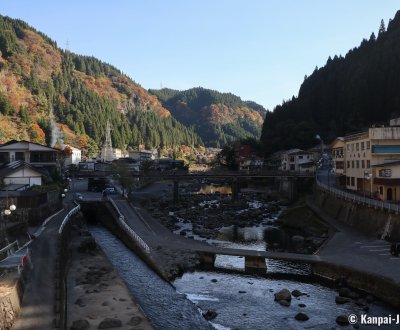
(150, 235)
(288, 179)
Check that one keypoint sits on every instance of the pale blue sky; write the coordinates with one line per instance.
(257, 49)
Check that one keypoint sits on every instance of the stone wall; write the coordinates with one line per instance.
(369, 220)
(10, 299)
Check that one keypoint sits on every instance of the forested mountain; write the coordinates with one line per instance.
(217, 117)
(347, 94)
(40, 83)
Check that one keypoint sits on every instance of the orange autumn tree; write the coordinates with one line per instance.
(36, 134)
(63, 154)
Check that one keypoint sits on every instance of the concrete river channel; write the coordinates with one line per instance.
(241, 301)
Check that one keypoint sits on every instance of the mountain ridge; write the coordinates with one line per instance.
(348, 94)
(217, 117)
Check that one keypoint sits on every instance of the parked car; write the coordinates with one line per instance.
(109, 191)
(78, 197)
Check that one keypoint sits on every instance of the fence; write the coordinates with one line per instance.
(377, 204)
(9, 250)
(68, 216)
(128, 229)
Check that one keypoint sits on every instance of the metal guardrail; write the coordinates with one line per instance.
(128, 229)
(9, 249)
(377, 204)
(68, 216)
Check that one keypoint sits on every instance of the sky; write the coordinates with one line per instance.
(259, 50)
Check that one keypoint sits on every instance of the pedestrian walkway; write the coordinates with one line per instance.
(352, 249)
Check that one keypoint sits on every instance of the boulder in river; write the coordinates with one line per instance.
(342, 320)
(283, 294)
(210, 314)
(109, 323)
(80, 325)
(297, 293)
(342, 300)
(301, 317)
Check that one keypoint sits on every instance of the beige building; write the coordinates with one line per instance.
(297, 160)
(368, 161)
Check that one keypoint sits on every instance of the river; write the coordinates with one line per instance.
(241, 301)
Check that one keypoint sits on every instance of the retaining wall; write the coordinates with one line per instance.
(10, 301)
(380, 287)
(369, 220)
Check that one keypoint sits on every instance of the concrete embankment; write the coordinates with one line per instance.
(381, 287)
(356, 254)
(368, 220)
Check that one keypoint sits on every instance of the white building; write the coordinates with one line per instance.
(75, 157)
(297, 160)
(21, 173)
(142, 155)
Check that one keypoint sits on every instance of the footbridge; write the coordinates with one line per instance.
(157, 236)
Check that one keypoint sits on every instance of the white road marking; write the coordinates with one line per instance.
(385, 254)
(379, 250)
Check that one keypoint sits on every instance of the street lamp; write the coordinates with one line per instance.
(7, 212)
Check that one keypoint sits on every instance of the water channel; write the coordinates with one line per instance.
(241, 301)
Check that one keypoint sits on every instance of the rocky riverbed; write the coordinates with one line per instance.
(214, 217)
(97, 297)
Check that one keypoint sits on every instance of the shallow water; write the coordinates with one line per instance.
(247, 302)
(165, 308)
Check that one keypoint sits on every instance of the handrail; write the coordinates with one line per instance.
(358, 199)
(127, 228)
(9, 247)
(68, 216)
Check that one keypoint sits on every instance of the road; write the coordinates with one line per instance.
(37, 308)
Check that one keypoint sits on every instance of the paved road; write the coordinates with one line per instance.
(38, 301)
(358, 251)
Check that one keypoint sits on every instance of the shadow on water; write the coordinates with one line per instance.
(165, 308)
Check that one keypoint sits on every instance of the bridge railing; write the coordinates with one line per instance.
(121, 221)
(358, 199)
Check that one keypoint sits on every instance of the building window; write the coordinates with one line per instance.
(381, 190)
(348, 164)
(368, 163)
(368, 145)
(363, 163)
(352, 147)
(348, 180)
(352, 181)
(362, 146)
(358, 164)
(348, 147)
(352, 164)
(357, 146)
(300, 157)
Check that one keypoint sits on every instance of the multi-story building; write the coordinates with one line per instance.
(32, 153)
(370, 161)
(338, 159)
(297, 160)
